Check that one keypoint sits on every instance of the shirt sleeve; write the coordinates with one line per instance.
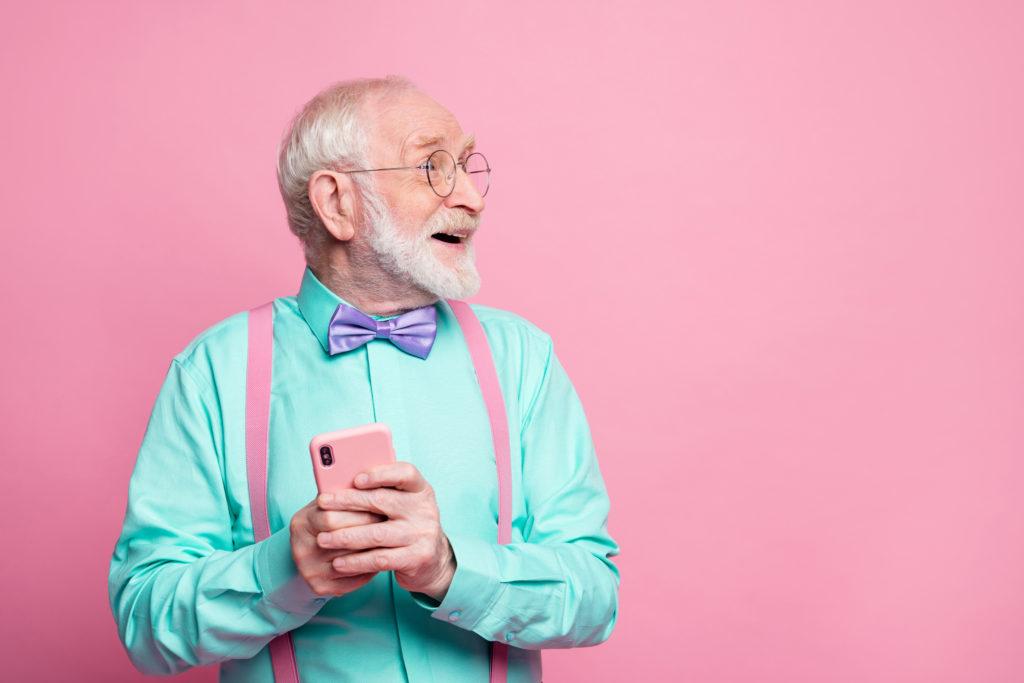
(181, 595)
(558, 588)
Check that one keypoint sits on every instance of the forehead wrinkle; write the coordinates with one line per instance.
(432, 140)
(411, 143)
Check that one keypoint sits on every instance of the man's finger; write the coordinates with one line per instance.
(379, 560)
(380, 535)
(329, 520)
(400, 475)
(381, 501)
(344, 582)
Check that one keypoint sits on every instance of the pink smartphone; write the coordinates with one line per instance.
(339, 456)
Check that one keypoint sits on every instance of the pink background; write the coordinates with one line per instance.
(796, 226)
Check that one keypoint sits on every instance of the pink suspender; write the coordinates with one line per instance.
(257, 420)
(487, 377)
(257, 424)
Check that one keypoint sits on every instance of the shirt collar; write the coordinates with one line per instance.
(317, 304)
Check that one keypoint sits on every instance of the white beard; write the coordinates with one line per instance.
(411, 257)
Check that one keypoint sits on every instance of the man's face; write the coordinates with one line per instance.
(404, 212)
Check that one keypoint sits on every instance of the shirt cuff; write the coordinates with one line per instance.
(474, 586)
(279, 578)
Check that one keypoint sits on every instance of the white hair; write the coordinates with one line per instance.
(328, 132)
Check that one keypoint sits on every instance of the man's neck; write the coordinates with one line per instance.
(373, 293)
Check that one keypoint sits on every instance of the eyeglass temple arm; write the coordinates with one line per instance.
(392, 168)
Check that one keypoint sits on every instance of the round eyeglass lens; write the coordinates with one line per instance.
(479, 172)
(441, 172)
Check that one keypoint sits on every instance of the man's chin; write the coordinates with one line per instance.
(448, 282)
(453, 274)
(439, 270)
(459, 288)
(469, 289)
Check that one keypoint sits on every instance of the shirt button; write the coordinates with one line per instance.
(454, 615)
(510, 635)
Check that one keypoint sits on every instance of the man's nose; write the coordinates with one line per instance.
(464, 194)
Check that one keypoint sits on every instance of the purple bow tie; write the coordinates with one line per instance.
(413, 331)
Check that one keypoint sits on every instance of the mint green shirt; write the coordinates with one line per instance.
(189, 587)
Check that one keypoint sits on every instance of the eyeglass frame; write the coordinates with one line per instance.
(424, 168)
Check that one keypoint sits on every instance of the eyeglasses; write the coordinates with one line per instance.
(441, 168)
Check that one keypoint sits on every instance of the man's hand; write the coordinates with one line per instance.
(314, 562)
(410, 542)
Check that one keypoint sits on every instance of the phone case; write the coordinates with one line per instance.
(339, 456)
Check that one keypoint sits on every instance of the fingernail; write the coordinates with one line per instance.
(362, 479)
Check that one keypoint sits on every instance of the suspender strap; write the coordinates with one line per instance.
(257, 424)
(487, 377)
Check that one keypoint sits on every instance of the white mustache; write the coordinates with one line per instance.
(452, 221)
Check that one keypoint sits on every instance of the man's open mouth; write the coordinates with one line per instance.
(444, 237)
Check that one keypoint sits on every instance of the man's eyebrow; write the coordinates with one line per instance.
(442, 141)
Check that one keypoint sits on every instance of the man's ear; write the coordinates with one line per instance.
(332, 195)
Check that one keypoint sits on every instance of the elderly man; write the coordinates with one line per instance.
(401, 578)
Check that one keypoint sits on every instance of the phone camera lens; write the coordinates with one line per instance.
(326, 457)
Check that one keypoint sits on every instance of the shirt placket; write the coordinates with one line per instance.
(389, 408)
